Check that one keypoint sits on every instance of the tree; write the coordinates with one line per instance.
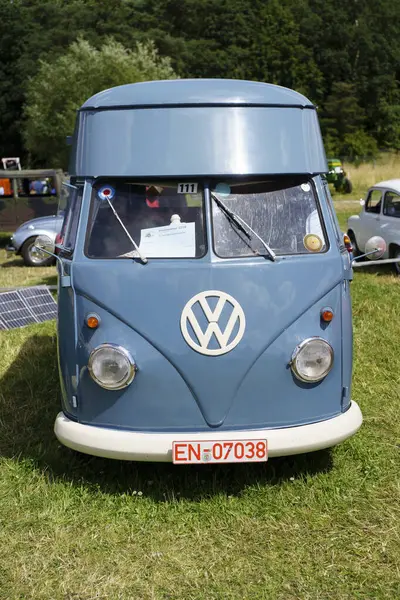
(11, 85)
(61, 86)
(309, 45)
(358, 147)
(342, 124)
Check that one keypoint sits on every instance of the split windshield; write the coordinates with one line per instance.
(167, 219)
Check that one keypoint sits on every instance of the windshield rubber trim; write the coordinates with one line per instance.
(253, 256)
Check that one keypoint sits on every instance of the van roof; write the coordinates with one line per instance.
(231, 92)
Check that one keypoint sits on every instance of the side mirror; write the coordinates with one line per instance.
(362, 201)
(44, 245)
(375, 248)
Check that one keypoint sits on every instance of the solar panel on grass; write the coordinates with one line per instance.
(25, 306)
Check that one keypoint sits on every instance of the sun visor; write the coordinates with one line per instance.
(197, 140)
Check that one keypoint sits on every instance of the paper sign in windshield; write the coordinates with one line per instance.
(171, 241)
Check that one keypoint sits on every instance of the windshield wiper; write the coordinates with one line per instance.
(141, 256)
(243, 226)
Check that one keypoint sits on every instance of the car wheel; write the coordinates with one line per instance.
(396, 254)
(33, 257)
(356, 250)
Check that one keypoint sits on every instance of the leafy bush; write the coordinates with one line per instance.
(358, 147)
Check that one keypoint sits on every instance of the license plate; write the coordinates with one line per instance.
(189, 452)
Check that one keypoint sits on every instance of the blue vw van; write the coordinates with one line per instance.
(204, 305)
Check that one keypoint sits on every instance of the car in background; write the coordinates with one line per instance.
(22, 242)
(28, 194)
(380, 216)
(338, 177)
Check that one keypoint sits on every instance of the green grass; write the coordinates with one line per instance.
(343, 215)
(322, 526)
(13, 273)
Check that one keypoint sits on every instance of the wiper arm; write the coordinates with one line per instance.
(242, 225)
(233, 217)
(141, 256)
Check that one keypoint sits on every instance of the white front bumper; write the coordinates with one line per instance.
(157, 447)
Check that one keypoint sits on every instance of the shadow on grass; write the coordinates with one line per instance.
(18, 262)
(29, 402)
(375, 269)
(12, 263)
(49, 280)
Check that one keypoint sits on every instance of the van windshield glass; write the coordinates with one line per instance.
(165, 220)
(284, 213)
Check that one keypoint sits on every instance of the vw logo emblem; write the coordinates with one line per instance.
(199, 339)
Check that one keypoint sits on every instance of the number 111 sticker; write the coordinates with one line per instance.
(187, 188)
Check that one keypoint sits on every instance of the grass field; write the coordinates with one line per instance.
(322, 526)
(387, 166)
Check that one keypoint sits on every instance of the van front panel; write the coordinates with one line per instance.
(141, 307)
(174, 314)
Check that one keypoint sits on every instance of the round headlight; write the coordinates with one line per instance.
(111, 366)
(312, 360)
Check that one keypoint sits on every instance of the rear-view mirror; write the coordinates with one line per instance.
(45, 245)
(375, 247)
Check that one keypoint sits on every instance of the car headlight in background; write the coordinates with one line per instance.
(111, 366)
(312, 360)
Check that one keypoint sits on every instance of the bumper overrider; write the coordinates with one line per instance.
(157, 447)
(10, 250)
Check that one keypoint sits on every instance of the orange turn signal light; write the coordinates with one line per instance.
(327, 315)
(92, 321)
(347, 243)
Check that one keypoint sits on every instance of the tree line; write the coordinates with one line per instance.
(343, 55)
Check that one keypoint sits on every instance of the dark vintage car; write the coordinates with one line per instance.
(28, 194)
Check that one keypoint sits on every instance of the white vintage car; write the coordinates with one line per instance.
(380, 216)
